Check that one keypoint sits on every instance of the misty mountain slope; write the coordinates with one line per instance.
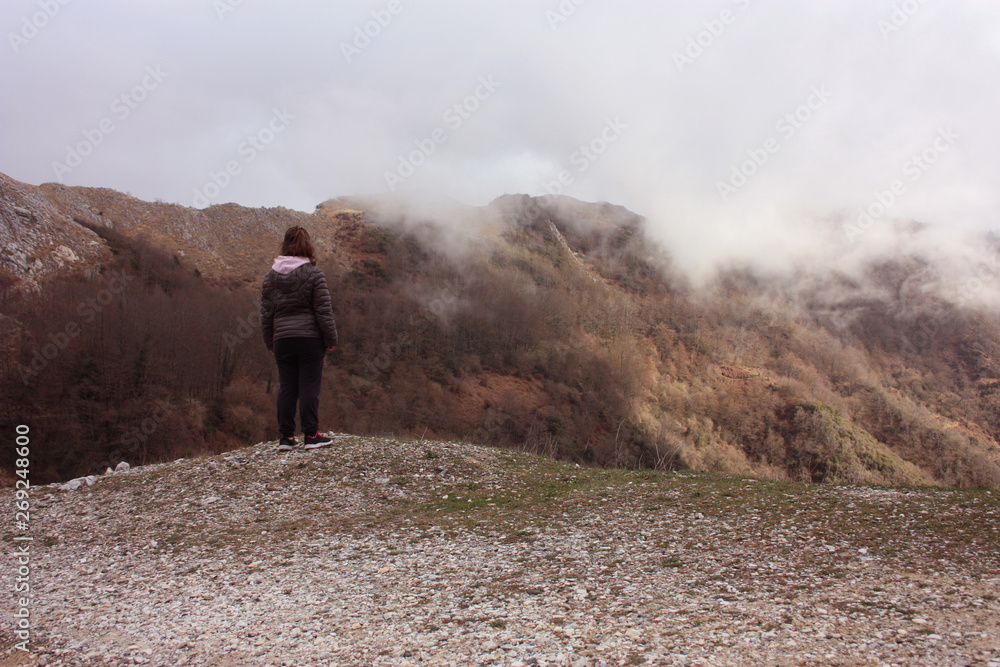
(547, 324)
(833, 367)
(396, 551)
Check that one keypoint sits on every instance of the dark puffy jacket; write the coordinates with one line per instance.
(297, 304)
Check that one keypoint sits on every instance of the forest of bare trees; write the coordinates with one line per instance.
(599, 357)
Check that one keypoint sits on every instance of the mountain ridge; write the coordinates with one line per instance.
(545, 323)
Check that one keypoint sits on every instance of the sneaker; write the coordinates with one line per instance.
(316, 441)
(287, 444)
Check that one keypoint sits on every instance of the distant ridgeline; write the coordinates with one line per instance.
(130, 332)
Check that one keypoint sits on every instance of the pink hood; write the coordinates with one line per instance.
(284, 264)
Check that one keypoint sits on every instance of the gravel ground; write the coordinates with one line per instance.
(382, 552)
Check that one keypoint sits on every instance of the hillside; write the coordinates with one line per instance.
(407, 552)
(546, 324)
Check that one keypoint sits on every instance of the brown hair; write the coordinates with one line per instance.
(298, 244)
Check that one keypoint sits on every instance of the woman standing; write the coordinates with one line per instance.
(296, 315)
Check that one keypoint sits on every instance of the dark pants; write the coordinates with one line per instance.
(300, 369)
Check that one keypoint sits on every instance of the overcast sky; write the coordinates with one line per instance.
(732, 119)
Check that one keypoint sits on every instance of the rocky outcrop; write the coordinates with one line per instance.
(37, 238)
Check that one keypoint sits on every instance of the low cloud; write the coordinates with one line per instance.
(740, 129)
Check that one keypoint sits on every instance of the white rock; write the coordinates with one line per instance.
(72, 485)
(108, 471)
(123, 467)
